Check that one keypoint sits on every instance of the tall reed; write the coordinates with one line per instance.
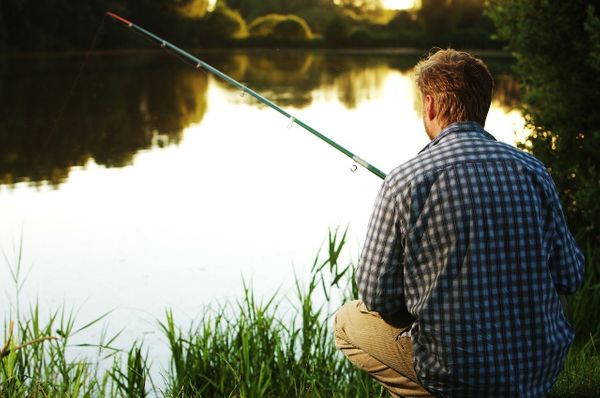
(254, 347)
(248, 350)
(40, 367)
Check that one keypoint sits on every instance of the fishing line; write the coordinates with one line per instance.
(63, 108)
(199, 64)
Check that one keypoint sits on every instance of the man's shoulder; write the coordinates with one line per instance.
(526, 162)
(460, 150)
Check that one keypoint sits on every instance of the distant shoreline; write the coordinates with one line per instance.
(216, 50)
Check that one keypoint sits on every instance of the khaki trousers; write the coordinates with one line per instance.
(376, 347)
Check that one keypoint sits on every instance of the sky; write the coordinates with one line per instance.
(399, 4)
(392, 4)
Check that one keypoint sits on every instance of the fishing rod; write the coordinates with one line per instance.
(203, 65)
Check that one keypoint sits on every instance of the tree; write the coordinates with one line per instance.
(293, 28)
(251, 9)
(403, 20)
(2, 30)
(557, 47)
(280, 27)
(360, 5)
(439, 16)
(224, 23)
(471, 12)
(191, 8)
(338, 30)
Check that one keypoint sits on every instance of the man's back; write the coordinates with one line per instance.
(481, 253)
(469, 249)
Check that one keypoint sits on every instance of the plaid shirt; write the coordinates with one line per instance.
(470, 237)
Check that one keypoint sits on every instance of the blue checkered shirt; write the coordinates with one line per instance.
(469, 236)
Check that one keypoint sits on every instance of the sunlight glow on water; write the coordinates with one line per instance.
(240, 196)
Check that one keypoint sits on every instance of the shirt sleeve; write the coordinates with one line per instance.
(379, 275)
(566, 260)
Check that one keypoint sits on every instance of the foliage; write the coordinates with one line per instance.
(318, 17)
(224, 23)
(265, 25)
(581, 373)
(252, 9)
(338, 29)
(439, 16)
(25, 25)
(471, 12)
(248, 349)
(558, 62)
(361, 36)
(280, 27)
(28, 25)
(252, 349)
(135, 379)
(3, 33)
(403, 20)
(360, 5)
(42, 369)
(191, 8)
(293, 28)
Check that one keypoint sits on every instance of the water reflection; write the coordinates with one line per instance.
(290, 77)
(118, 107)
(129, 102)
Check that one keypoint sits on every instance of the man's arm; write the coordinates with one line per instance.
(380, 272)
(566, 261)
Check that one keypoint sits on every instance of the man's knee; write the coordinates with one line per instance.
(342, 319)
(354, 323)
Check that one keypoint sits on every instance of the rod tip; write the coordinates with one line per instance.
(119, 18)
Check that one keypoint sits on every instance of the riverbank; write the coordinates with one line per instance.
(249, 348)
(377, 51)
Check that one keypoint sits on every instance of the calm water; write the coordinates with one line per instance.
(160, 186)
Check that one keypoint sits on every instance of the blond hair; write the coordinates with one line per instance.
(460, 84)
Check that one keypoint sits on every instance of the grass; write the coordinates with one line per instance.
(581, 374)
(250, 348)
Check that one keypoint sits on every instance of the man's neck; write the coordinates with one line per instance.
(433, 129)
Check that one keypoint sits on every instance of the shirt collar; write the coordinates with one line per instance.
(461, 128)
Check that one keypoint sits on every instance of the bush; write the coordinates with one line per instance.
(439, 16)
(280, 27)
(293, 28)
(338, 30)
(556, 44)
(225, 23)
(403, 20)
(191, 8)
(361, 36)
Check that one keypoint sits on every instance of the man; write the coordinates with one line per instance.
(466, 254)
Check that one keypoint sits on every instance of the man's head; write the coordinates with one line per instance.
(455, 87)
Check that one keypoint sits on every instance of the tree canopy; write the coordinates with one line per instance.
(28, 25)
(557, 46)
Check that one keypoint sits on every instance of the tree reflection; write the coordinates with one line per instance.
(284, 77)
(126, 103)
(119, 106)
(290, 77)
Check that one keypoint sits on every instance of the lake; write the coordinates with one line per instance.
(150, 185)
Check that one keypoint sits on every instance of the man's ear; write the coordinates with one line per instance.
(430, 107)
